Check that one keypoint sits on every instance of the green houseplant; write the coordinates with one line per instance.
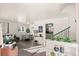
(62, 38)
(6, 39)
(28, 30)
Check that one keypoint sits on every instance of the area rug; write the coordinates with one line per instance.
(35, 49)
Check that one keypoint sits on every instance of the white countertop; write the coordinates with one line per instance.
(9, 45)
(71, 44)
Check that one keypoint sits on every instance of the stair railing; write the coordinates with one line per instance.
(64, 32)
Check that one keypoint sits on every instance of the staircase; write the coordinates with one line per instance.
(64, 32)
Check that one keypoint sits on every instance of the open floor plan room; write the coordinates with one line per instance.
(39, 29)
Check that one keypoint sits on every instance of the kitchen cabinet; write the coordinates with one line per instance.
(0, 51)
(9, 51)
(69, 49)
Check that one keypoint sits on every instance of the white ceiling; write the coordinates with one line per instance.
(37, 11)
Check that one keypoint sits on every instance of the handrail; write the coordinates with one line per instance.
(61, 31)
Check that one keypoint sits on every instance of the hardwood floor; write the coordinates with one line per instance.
(27, 44)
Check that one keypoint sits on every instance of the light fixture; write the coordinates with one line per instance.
(21, 18)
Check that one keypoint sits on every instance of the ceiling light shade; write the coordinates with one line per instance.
(21, 19)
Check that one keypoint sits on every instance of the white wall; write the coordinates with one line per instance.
(77, 23)
(1, 38)
(70, 12)
(59, 24)
(77, 30)
(13, 29)
(4, 27)
(13, 26)
(72, 23)
(35, 27)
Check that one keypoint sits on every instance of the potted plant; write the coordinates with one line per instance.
(28, 30)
